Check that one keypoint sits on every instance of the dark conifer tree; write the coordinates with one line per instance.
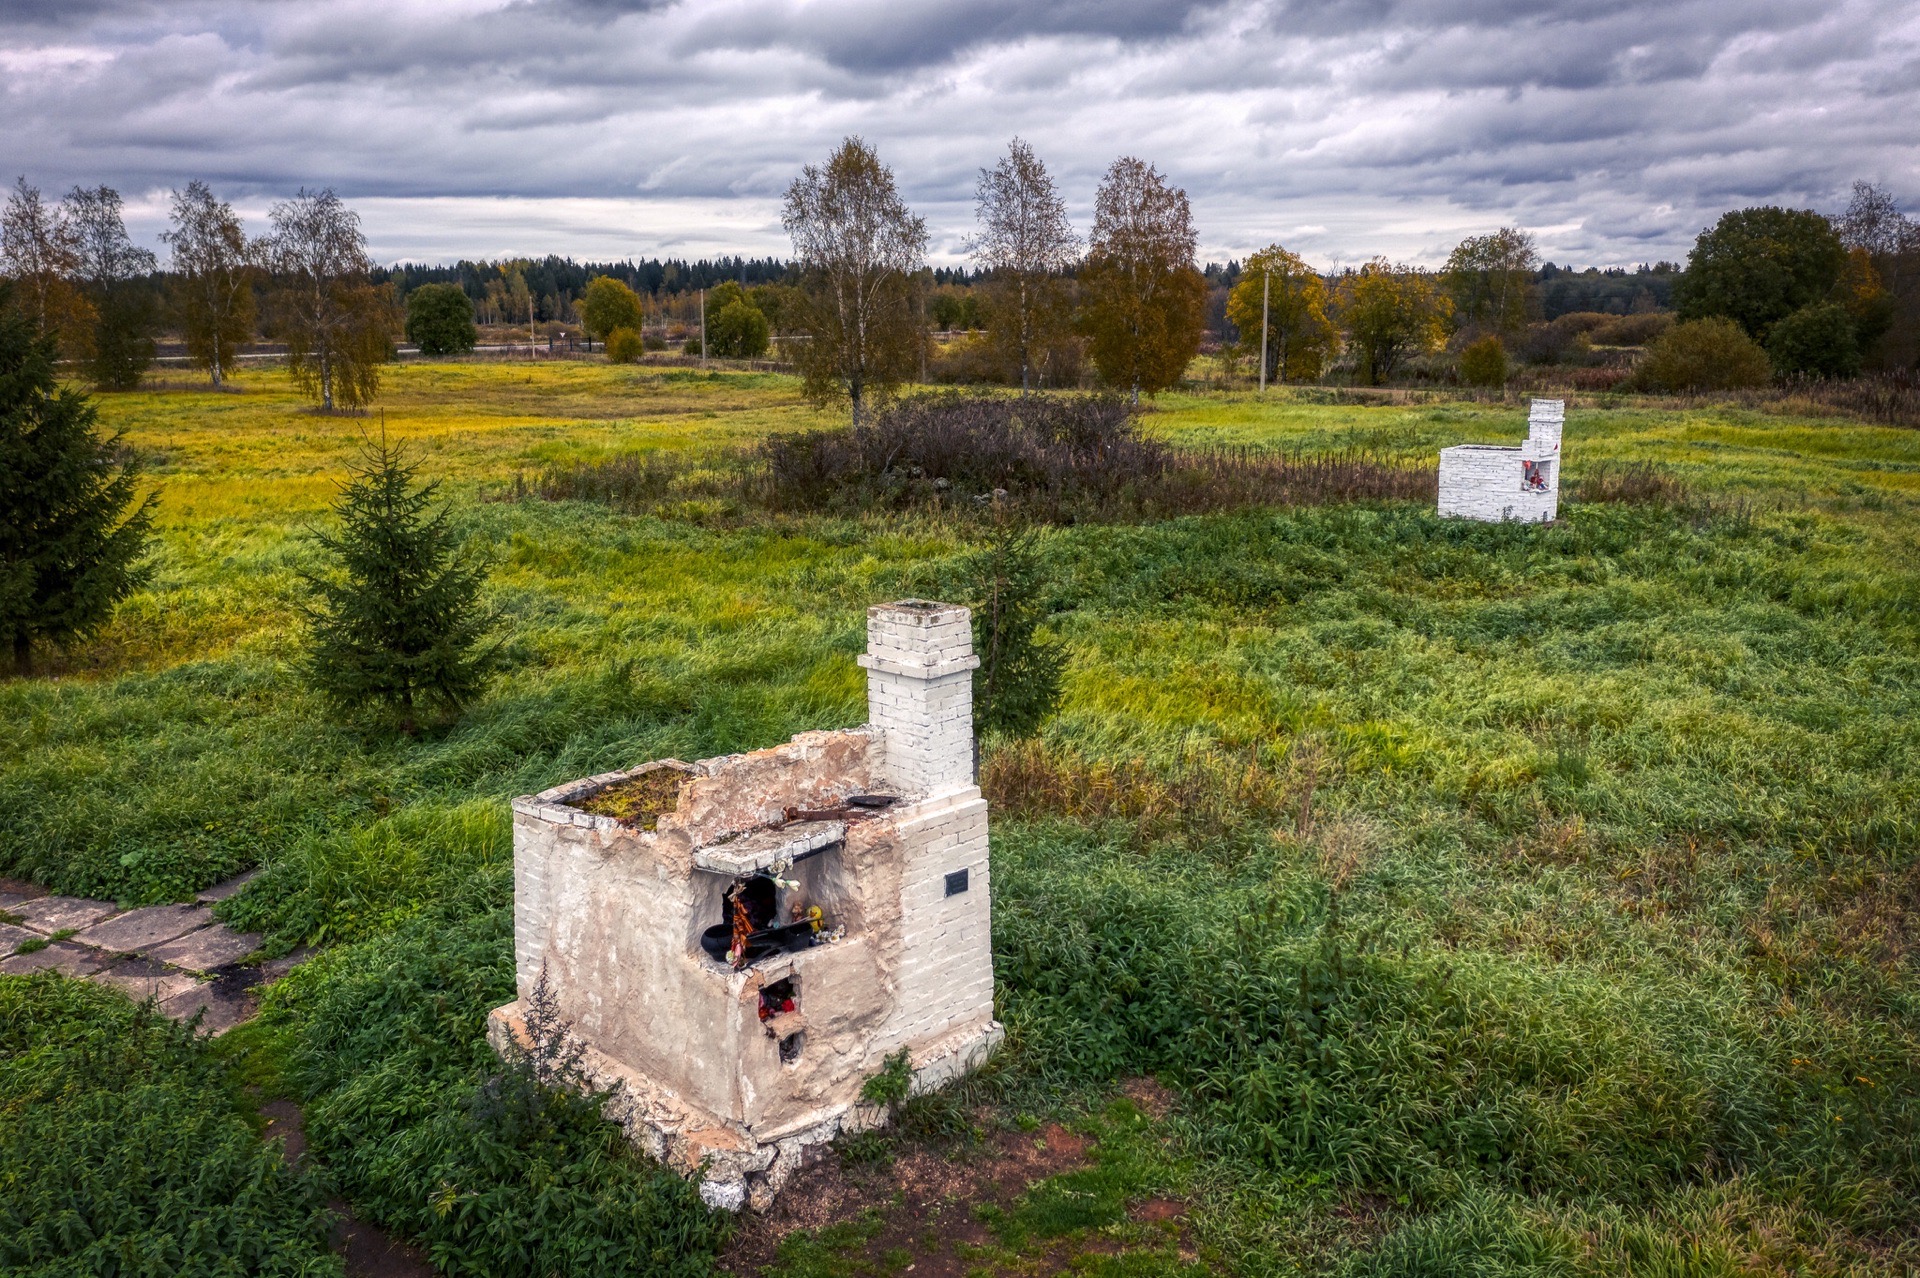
(73, 527)
(1018, 685)
(398, 622)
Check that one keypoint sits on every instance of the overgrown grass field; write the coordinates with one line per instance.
(1495, 899)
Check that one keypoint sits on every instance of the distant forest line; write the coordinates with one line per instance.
(1559, 290)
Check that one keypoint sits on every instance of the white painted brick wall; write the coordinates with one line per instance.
(920, 664)
(530, 902)
(946, 966)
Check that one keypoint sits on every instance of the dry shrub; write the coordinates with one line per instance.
(1874, 912)
(1345, 846)
(1890, 399)
(1583, 321)
(1484, 363)
(935, 445)
(1703, 354)
(1642, 484)
(1886, 399)
(624, 346)
(1593, 378)
(969, 360)
(639, 482)
(1198, 482)
(1554, 841)
(1600, 378)
(1063, 458)
(1560, 341)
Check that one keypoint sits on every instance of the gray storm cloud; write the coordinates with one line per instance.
(1344, 127)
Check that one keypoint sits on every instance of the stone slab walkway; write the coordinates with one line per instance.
(177, 955)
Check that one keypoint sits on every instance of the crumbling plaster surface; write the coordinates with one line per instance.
(738, 1169)
(592, 898)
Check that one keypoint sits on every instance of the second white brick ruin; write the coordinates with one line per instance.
(1499, 482)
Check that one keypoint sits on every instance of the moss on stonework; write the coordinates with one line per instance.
(639, 802)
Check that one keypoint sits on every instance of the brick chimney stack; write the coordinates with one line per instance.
(920, 664)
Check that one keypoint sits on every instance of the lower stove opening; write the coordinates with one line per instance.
(778, 999)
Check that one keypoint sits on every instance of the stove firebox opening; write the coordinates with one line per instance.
(752, 926)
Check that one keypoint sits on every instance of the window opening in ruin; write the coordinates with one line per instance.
(790, 1048)
(1535, 476)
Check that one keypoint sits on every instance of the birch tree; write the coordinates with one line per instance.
(1491, 279)
(215, 264)
(858, 247)
(1883, 246)
(1028, 245)
(338, 327)
(40, 253)
(112, 271)
(1142, 297)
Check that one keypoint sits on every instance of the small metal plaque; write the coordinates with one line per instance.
(956, 882)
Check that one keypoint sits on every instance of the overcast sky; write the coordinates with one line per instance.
(1612, 129)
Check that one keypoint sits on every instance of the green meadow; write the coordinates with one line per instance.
(1492, 900)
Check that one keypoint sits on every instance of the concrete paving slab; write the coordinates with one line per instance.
(138, 930)
(73, 960)
(141, 979)
(56, 913)
(14, 891)
(207, 949)
(12, 901)
(224, 1008)
(273, 969)
(221, 891)
(11, 937)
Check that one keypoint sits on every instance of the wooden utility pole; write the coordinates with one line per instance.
(1266, 293)
(703, 328)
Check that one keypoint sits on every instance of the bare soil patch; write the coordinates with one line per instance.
(924, 1202)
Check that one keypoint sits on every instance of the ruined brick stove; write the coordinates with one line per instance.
(740, 943)
(1499, 482)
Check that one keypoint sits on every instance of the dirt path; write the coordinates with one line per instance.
(369, 1252)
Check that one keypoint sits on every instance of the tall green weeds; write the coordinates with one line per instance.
(123, 1150)
(489, 1170)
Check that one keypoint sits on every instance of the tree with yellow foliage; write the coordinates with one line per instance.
(1282, 295)
(1142, 299)
(1391, 312)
